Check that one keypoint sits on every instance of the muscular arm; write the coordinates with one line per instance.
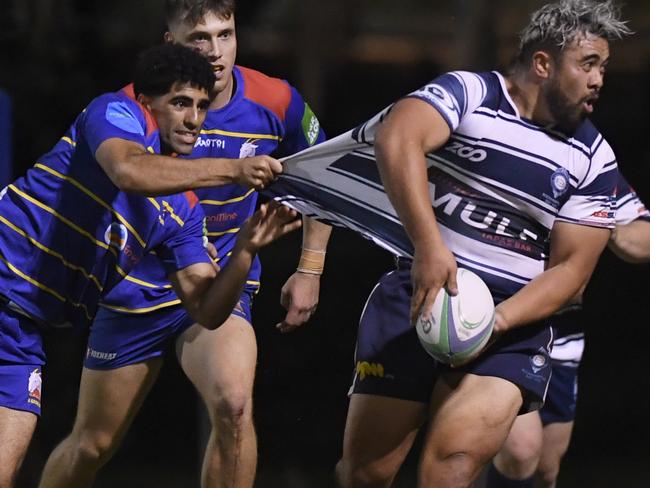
(631, 242)
(132, 169)
(574, 252)
(411, 130)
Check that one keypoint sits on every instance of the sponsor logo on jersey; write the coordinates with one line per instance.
(467, 152)
(461, 208)
(213, 143)
(365, 368)
(34, 385)
(310, 126)
(221, 218)
(116, 236)
(248, 149)
(106, 356)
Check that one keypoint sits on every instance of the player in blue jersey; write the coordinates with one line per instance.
(522, 185)
(537, 441)
(68, 234)
(139, 320)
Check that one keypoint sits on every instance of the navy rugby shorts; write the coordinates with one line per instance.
(389, 360)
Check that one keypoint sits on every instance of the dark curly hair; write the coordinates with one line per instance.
(159, 67)
(192, 11)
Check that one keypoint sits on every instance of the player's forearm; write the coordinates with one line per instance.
(152, 175)
(315, 235)
(631, 242)
(543, 296)
(403, 172)
(220, 297)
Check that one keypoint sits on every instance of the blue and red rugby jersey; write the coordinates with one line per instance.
(68, 234)
(264, 116)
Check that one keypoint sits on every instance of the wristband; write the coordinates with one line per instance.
(311, 262)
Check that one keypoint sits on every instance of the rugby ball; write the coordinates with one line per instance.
(458, 327)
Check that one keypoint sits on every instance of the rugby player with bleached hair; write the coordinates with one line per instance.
(522, 186)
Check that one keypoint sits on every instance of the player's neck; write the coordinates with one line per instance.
(222, 98)
(528, 98)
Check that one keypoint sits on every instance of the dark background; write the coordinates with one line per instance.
(349, 59)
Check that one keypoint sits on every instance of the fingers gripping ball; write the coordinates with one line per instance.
(458, 327)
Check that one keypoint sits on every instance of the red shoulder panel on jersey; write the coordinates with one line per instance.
(191, 198)
(129, 91)
(272, 93)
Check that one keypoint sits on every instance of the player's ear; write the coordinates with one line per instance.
(542, 64)
(168, 36)
(144, 100)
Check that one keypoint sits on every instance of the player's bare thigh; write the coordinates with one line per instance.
(222, 361)
(16, 429)
(471, 416)
(110, 399)
(379, 433)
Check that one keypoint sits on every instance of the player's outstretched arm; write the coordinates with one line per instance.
(132, 169)
(412, 129)
(631, 242)
(299, 295)
(209, 296)
(574, 253)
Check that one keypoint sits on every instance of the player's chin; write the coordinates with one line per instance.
(183, 147)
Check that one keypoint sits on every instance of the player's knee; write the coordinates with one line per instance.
(93, 448)
(548, 471)
(233, 410)
(520, 454)
(369, 475)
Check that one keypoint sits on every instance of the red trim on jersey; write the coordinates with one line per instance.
(272, 93)
(129, 91)
(191, 198)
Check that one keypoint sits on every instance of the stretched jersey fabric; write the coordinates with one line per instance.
(497, 186)
(68, 234)
(569, 339)
(264, 116)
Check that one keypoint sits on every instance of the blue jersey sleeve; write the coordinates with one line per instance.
(110, 117)
(303, 129)
(186, 242)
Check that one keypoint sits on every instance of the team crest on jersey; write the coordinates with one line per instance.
(116, 236)
(248, 149)
(34, 385)
(560, 182)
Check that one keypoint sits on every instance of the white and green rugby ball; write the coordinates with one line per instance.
(458, 327)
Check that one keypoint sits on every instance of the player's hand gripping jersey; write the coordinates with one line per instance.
(497, 185)
(68, 234)
(264, 116)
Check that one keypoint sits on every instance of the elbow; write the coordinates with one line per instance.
(123, 179)
(210, 321)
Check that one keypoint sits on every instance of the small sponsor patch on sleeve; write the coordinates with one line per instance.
(310, 125)
(121, 116)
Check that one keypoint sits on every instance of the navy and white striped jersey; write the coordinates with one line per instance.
(497, 186)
